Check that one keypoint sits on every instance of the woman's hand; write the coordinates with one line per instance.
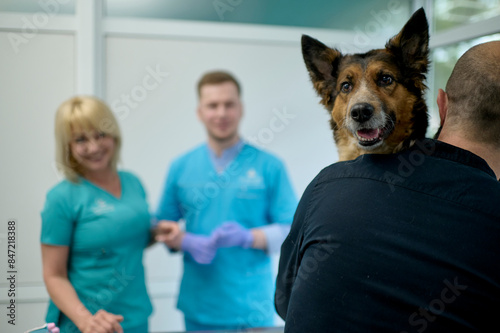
(169, 232)
(102, 322)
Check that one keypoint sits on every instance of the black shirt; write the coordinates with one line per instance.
(405, 242)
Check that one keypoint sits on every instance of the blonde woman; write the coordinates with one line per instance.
(95, 226)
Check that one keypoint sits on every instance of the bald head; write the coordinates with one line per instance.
(473, 91)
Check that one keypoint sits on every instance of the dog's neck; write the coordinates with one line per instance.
(350, 151)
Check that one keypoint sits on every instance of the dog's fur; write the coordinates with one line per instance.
(375, 98)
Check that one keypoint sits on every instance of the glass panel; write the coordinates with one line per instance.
(51, 7)
(363, 14)
(451, 13)
(443, 61)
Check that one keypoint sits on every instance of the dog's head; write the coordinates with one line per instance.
(375, 98)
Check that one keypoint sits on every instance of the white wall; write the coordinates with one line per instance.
(33, 81)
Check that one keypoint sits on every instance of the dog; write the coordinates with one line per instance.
(375, 98)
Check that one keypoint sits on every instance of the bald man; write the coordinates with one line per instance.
(406, 242)
(471, 104)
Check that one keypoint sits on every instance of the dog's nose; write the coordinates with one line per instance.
(361, 112)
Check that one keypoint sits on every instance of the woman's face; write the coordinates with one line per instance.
(93, 150)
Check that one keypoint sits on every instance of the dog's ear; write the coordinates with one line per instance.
(322, 64)
(412, 43)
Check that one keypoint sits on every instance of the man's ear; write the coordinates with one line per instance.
(442, 102)
(322, 64)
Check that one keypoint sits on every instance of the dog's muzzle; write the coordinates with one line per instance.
(370, 130)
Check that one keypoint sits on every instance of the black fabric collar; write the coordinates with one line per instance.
(446, 151)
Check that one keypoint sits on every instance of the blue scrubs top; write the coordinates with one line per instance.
(106, 236)
(254, 190)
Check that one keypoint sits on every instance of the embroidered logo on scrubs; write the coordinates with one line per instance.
(251, 173)
(251, 180)
(100, 207)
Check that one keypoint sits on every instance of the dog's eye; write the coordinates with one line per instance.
(385, 80)
(346, 87)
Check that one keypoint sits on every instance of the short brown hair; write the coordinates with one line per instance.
(217, 77)
(473, 91)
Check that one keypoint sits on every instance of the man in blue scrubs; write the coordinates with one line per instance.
(237, 203)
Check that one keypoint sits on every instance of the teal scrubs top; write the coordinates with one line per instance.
(237, 288)
(106, 236)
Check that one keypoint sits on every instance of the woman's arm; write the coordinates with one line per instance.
(62, 293)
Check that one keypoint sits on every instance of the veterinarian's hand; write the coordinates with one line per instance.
(232, 234)
(169, 233)
(201, 248)
(103, 322)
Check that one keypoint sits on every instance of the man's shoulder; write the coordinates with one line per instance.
(263, 154)
(190, 154)
(428, 160)
(442, 172)
(363, 166)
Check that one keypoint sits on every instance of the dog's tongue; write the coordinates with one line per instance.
(368, 133)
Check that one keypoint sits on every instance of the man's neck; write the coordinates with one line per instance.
(218, 146)
(489, 153)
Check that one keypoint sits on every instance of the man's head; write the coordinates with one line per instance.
(219, 106)
(471, 105)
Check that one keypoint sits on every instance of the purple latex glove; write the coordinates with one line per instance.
(231, 234)
(201, 248)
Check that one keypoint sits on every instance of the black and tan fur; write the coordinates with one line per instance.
(375, 98)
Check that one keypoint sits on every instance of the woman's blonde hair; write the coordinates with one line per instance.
(85, 113)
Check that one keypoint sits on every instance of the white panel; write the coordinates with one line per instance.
(346, 40)
(28, 25)
(151, 85)
(33, 82)
(89, 48)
